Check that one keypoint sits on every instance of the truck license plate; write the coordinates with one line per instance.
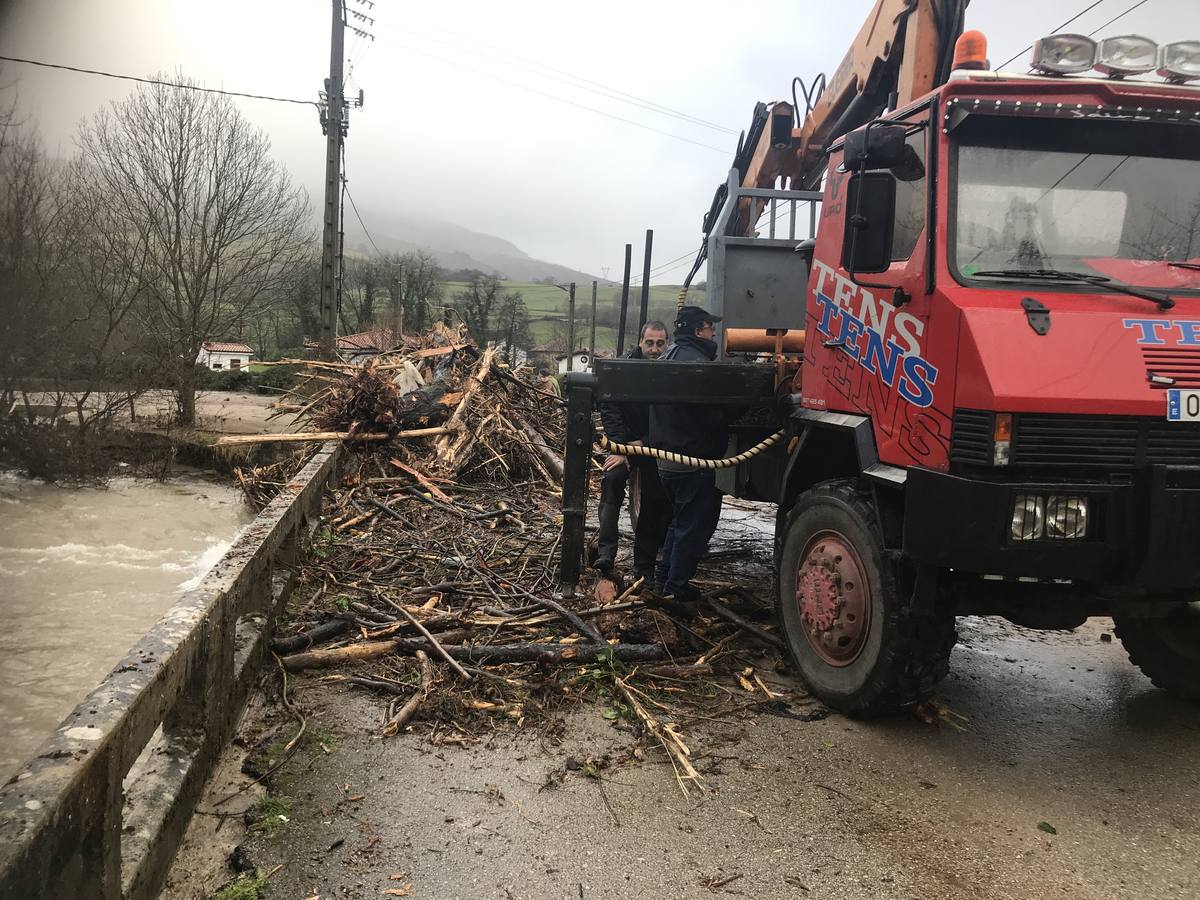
(1183, 406)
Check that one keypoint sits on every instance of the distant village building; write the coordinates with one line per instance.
(224, 356)
(581, 361)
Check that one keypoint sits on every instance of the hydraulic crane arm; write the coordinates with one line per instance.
(903, 50)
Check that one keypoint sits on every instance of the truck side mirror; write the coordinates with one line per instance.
(878, 146)
(870, 217)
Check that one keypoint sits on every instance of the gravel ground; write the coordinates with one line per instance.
(1058, 731)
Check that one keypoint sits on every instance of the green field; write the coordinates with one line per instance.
(547, 305)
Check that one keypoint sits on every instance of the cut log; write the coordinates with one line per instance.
(323, 632)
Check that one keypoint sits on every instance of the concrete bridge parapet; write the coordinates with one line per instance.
(101, 809)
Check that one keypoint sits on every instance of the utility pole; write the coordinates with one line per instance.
(624, 301)
(645, 311)
(335, 121)
(331, 123)
(398, 306)
(592, 345)
(571, 330)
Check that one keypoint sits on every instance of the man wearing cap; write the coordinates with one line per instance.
(629, 423)
(692, 430)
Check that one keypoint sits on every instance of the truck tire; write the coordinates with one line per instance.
(859, 639)
(1166, 649)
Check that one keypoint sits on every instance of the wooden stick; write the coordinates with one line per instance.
(749, 627)
(323, 659)
(462, 673)
(310, 436)
(425, 482)
(676, 749)
(551, 459)
(447, 448)
(400, 719)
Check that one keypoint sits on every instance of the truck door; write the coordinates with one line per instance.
(869, 345)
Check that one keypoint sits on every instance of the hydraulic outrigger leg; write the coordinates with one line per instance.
(575, 477)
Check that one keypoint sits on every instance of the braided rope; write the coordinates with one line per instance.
(694, 462)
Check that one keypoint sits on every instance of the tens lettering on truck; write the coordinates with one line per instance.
(1159, 332)
(874, 334)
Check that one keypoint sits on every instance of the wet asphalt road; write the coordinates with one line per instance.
(1056, 728)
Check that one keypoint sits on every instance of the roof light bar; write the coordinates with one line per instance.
(1179, 62)
(1063, 54)
(1126, 54)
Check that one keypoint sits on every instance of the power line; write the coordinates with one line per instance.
(1118, 16)
(186, 87)
(666, 266)
(354, 206)
(1057, 30)
(525, 87)
(578, 81)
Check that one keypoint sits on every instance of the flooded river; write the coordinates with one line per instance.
(84, 572)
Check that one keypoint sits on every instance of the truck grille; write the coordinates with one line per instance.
(1179, 363)
(1121, 442)
(971, 439)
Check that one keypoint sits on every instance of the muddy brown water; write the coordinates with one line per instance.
(84, 573)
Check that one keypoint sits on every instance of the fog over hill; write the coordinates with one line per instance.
(454, 246)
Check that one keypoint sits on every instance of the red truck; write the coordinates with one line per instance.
(996, 410)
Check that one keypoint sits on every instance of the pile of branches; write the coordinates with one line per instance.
(432, 579)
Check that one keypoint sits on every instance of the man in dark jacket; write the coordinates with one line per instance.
(693, 430)
(628, 423)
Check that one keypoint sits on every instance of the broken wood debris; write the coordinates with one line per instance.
(431, 579)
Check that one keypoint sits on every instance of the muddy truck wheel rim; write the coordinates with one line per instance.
(834, 598)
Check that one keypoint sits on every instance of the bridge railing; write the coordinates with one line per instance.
(100, 810)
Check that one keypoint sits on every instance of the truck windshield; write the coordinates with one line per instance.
(1119, 200)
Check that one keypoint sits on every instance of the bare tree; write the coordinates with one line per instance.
(512, 322)
(202, 218)
(422, 289)
(477, 304)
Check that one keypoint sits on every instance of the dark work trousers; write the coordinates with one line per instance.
(653, 520)
(693, 498)
(612, 497)
(654, 515)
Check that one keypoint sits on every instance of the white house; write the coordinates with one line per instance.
(581, 361)
(223, 356)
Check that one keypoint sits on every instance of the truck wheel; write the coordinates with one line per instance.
(1167, 649)
(854, 632)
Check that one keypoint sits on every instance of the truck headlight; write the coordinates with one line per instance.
(1179, 62)
(1066, 517)
(1028, 518)
(1126, 54)
(1063, 54)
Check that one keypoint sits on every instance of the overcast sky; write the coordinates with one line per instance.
(445, 130)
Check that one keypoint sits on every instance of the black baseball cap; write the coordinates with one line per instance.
(691, 317)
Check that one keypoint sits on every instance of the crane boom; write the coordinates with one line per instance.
(902, 52)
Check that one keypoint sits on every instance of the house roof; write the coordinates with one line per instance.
(227, 347)
(378, 340)
(580, 352)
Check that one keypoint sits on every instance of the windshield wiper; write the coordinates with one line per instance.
(1185, 265)
(1163, 301)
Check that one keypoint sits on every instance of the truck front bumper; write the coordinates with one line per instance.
(1142, 537)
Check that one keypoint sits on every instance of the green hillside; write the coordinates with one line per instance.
(548, 307)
